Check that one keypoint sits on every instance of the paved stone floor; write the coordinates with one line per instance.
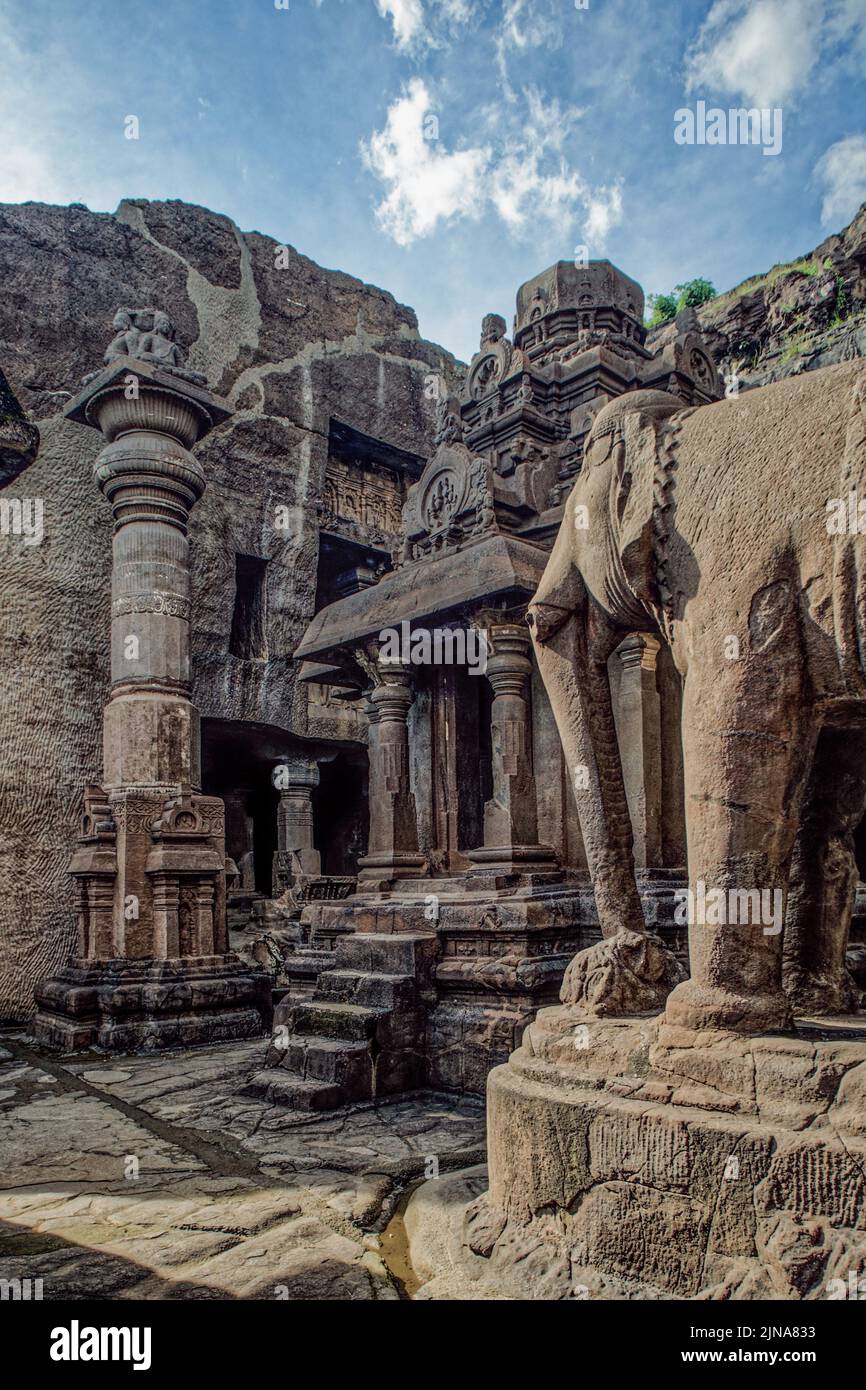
(153, 1177)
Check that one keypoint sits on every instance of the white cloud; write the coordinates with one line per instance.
(842, 172)
(761, 50)
(425, 185)
(407, 17)
(525, 183)
(524, 177)
(765, 51)
(456, 11)
(526, 24)
(604, 212)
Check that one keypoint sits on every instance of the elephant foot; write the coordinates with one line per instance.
(708, 1008)
(822, 998)
(629, 973)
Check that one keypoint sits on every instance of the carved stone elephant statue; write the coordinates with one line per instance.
(733, 531)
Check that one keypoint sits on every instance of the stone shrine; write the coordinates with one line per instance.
(473, 894)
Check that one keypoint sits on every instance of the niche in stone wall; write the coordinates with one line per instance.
(249, 621)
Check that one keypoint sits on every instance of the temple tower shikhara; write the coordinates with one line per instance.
(153, 967)
(474, 893)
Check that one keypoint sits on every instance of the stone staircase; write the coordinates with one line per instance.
(361, 1035)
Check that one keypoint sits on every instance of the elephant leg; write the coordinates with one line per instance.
(748, 745)
(824, 879)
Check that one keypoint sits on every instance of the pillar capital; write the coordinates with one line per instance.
(639, 649)
(291, 774)
(509, 665)
(391, 698)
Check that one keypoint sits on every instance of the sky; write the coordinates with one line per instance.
(448, 150)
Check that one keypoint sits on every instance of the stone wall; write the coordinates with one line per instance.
(291, 348)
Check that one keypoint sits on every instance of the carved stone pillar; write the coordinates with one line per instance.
(392, 849)
(154, 969)
(639, 731)
(511, 814)
(296, 855)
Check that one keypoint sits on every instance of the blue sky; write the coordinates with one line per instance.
(448, 149)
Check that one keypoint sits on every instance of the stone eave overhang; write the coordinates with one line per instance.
(427, 589)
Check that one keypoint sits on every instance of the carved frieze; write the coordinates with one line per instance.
(363, 502)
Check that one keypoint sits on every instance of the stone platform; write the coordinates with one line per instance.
(155, 1178)
(144, 1005)
(630, 1160)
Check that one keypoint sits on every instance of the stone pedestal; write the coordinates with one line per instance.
(392, 847)
(644, 1162)
(511, 815)
(153, 967)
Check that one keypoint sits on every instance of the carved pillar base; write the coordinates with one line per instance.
(146, 1005)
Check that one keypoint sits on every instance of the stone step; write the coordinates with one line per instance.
(328, 1019)
(346, 1064)
(279, 1087)
(377, 953)
(371, 989)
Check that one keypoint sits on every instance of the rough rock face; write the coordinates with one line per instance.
(292, 349)
(796, 317)
(19, 439)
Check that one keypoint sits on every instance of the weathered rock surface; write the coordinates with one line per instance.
(292, 349)
(158, 1180)
(643, 1163)
(806, 314)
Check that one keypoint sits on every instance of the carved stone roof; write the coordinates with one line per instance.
(499, 565)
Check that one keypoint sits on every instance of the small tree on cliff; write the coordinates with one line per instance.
(688, 296)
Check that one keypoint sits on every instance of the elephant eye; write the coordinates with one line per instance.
(599, 450)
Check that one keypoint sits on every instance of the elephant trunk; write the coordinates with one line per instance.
(574, 670)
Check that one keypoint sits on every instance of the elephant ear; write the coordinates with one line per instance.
(641, 485)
